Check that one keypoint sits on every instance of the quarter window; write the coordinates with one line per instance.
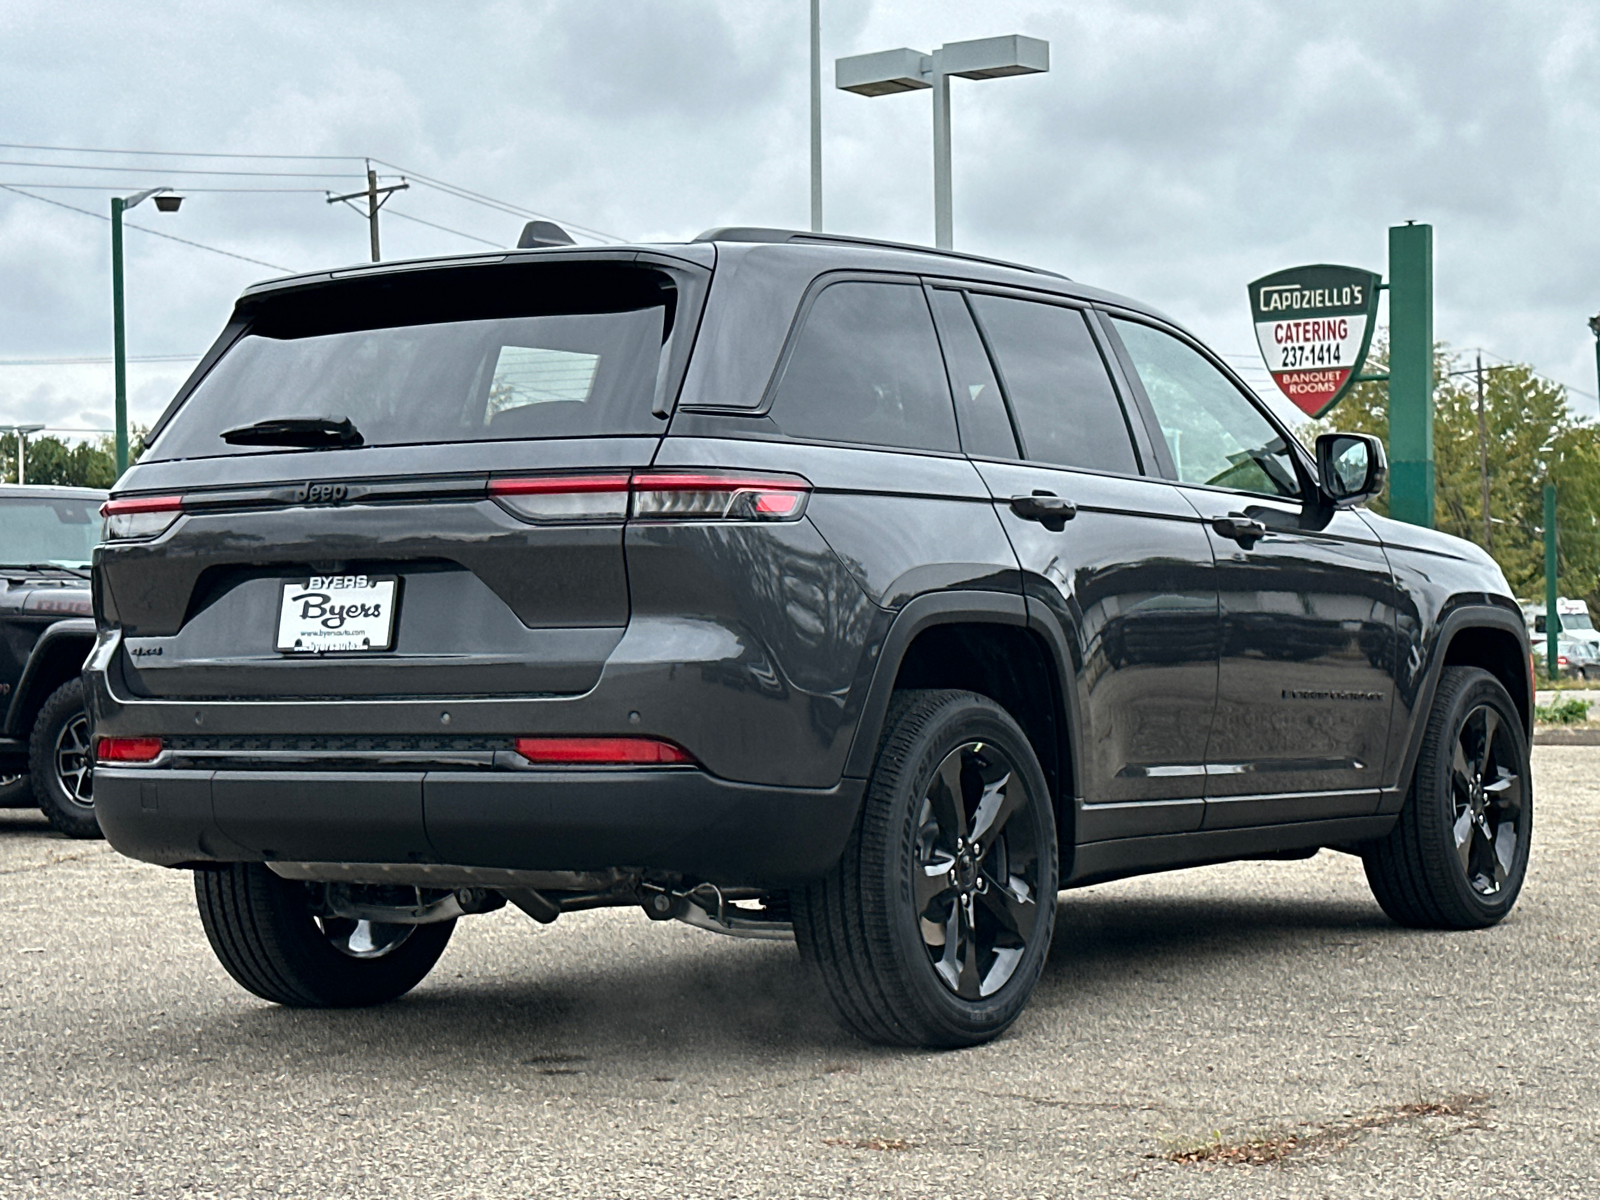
(980, 409)
(1215, 434)
(866, 368)
(1061, 396)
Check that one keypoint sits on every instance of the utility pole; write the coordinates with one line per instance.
(816, 116)
(1483, 458)
(1552, 619)
(370, 195)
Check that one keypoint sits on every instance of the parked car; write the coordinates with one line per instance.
(1575, 659)
(771, 582)
(47, 539)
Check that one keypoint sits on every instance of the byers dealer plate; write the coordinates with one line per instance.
(1314, 325)
(337, 612)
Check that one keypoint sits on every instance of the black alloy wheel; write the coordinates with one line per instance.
(933, 928)
(976, 879)
(1458, 854)
(1487, 781)
(61, 762)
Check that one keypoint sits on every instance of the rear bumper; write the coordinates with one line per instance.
(671, 821)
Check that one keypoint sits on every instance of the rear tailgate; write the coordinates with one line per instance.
(477, 525)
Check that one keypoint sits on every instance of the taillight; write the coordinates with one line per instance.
(140, 516)
(719, 495)
(127, 750)
(602, 751)
(563, 497)
(656, 496)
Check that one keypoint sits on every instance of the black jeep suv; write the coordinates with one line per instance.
(47, 538)
(771, 582)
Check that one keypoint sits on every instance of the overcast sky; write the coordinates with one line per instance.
(1174, 152)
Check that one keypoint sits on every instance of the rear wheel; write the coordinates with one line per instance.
(934, 927)
(266, 935)
(61, 763)
(1458, 854)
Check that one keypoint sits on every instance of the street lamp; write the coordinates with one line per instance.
(22, 432)
(165, 202)
(1594, 328)
(905, 70)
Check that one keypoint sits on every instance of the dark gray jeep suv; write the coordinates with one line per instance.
(772, 582)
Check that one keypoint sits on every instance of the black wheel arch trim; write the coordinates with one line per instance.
(56, 639)
(1471, 615)
(963, 607)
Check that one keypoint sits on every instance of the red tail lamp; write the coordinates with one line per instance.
(127, 750)
(602, 751)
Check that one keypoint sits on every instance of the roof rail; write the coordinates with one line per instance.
(752, 233)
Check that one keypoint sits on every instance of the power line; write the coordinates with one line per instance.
(142, 229)
(95, 361)
(17, 162)
(180, 153)
(471, 237)
(188, 191)
(492, 202)
(438, 184)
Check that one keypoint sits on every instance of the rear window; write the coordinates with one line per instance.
(476, 354)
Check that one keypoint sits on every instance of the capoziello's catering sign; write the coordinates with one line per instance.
(1314, 325)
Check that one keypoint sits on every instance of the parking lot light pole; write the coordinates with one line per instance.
(165, 202)
(906, 70)
(1594, 328)
(22, 432)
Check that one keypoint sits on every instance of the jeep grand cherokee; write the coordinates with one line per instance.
(775, 583)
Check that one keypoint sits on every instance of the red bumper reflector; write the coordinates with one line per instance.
(114, 749)
(601, 751)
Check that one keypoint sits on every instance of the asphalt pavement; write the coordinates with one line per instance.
(1246, 1030)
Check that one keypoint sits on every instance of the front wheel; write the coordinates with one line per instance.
(1459, 852)
(61, 763)
(266, 935)
(933, 928)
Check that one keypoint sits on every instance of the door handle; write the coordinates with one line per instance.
(1244, 530)
(1047, 508)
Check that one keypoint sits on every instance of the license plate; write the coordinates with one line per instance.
(328, 613)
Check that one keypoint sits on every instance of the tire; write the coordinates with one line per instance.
(891, 974)
(61, 763)
(263, 932)
(1457, 856)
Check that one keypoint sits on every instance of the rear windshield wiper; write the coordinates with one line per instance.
(295, 431)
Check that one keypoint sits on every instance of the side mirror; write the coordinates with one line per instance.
(1352, 468)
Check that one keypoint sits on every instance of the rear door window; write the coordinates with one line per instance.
(1061, 397)
(442, 356)
(866, 368)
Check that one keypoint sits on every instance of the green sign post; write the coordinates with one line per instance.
(1552, 618)
(1411, 374)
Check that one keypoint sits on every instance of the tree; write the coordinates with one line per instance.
(1533, 437)
(52, 461)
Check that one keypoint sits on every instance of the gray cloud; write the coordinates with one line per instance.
(1175, 151)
